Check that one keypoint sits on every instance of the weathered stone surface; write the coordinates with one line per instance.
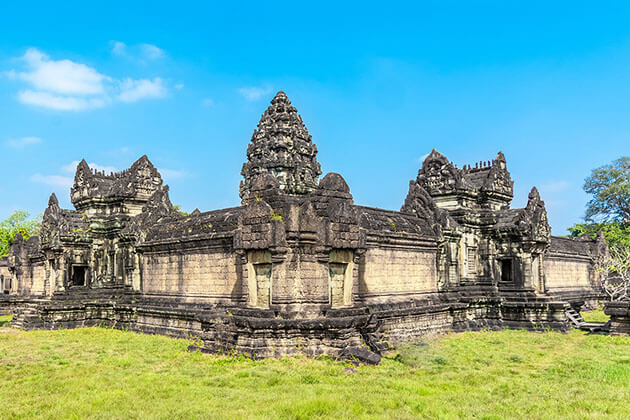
(299, 268)
(360, 354)
(619, 313)
(282, 147)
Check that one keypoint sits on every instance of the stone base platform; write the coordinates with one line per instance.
(619, 313)
(261, 333)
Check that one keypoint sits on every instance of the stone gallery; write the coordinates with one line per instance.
(299, 268)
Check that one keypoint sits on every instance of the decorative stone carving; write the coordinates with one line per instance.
(138, 183)
(51, 223)
(420, 203)
(438, 176)
(533, 222)
(299, 267)
(499, 179)
(281, 146)
(155, 211)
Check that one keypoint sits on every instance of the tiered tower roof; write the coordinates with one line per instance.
(281, 146)
(138, 183)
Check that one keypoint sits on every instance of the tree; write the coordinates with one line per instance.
(610, 187)
(17, 223)
(608, 210)
(616, 234)
(615, 272)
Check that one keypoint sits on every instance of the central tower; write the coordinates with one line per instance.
(282, 147)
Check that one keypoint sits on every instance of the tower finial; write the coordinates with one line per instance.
(281, 98)
(52, 201)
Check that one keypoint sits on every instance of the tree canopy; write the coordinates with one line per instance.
(608, 210)
(616, 234)
(609, 186)
(18, 222)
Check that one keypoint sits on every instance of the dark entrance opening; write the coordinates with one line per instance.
(506, 271)
(5, 284)
(78, 275)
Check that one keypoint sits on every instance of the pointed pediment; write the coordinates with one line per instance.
(52, 201)
(83, 172)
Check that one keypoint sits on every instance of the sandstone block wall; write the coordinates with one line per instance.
(390, 271)
(38, 278)
(4, 276)
(299, 278)
(194, 273)
(563, 273)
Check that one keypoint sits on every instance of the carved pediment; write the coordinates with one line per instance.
(533, 222)
(420, 203)
(499, 179)
(155, 210)
(438, 175)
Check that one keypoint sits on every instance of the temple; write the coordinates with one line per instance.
(299, 267)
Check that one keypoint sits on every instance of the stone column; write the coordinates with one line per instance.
(526, 261)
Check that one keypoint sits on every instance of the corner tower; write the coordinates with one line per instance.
(282, 147)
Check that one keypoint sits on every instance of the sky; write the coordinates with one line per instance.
(378, 86)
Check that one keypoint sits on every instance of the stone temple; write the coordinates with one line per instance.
(299, 267)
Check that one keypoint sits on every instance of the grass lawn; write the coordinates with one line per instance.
(5, 320)
(596, 315)
(103, 373)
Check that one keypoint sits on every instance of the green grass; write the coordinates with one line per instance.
(102, 373)
(5, 320)
(596, 315)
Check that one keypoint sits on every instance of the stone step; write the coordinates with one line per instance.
(29, 314)
(575, 317)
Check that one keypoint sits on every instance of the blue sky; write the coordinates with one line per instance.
(377, 84)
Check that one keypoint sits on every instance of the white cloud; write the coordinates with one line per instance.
(10, 74)
(422, 158)
(172, 173)
(134, 90)
(23, 142)
(179, 86)
(254, 93)
(72, 167)
(60, 102)
(65, 85)
(554, 187)
(57, 181)
(151, 51)
(207, 102)
(66, 178)
(62, 76)
(139, 52)
(118, 48)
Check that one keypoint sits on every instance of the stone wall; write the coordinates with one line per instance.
(299, 278)
(388, 272)
(619, 313)
(564, 273)
(299, 268)
(37, 279)
(192, 273)
(5, 276)
(570, 270)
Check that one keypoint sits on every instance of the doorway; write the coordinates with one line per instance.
(507, 275)
(79, 275)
